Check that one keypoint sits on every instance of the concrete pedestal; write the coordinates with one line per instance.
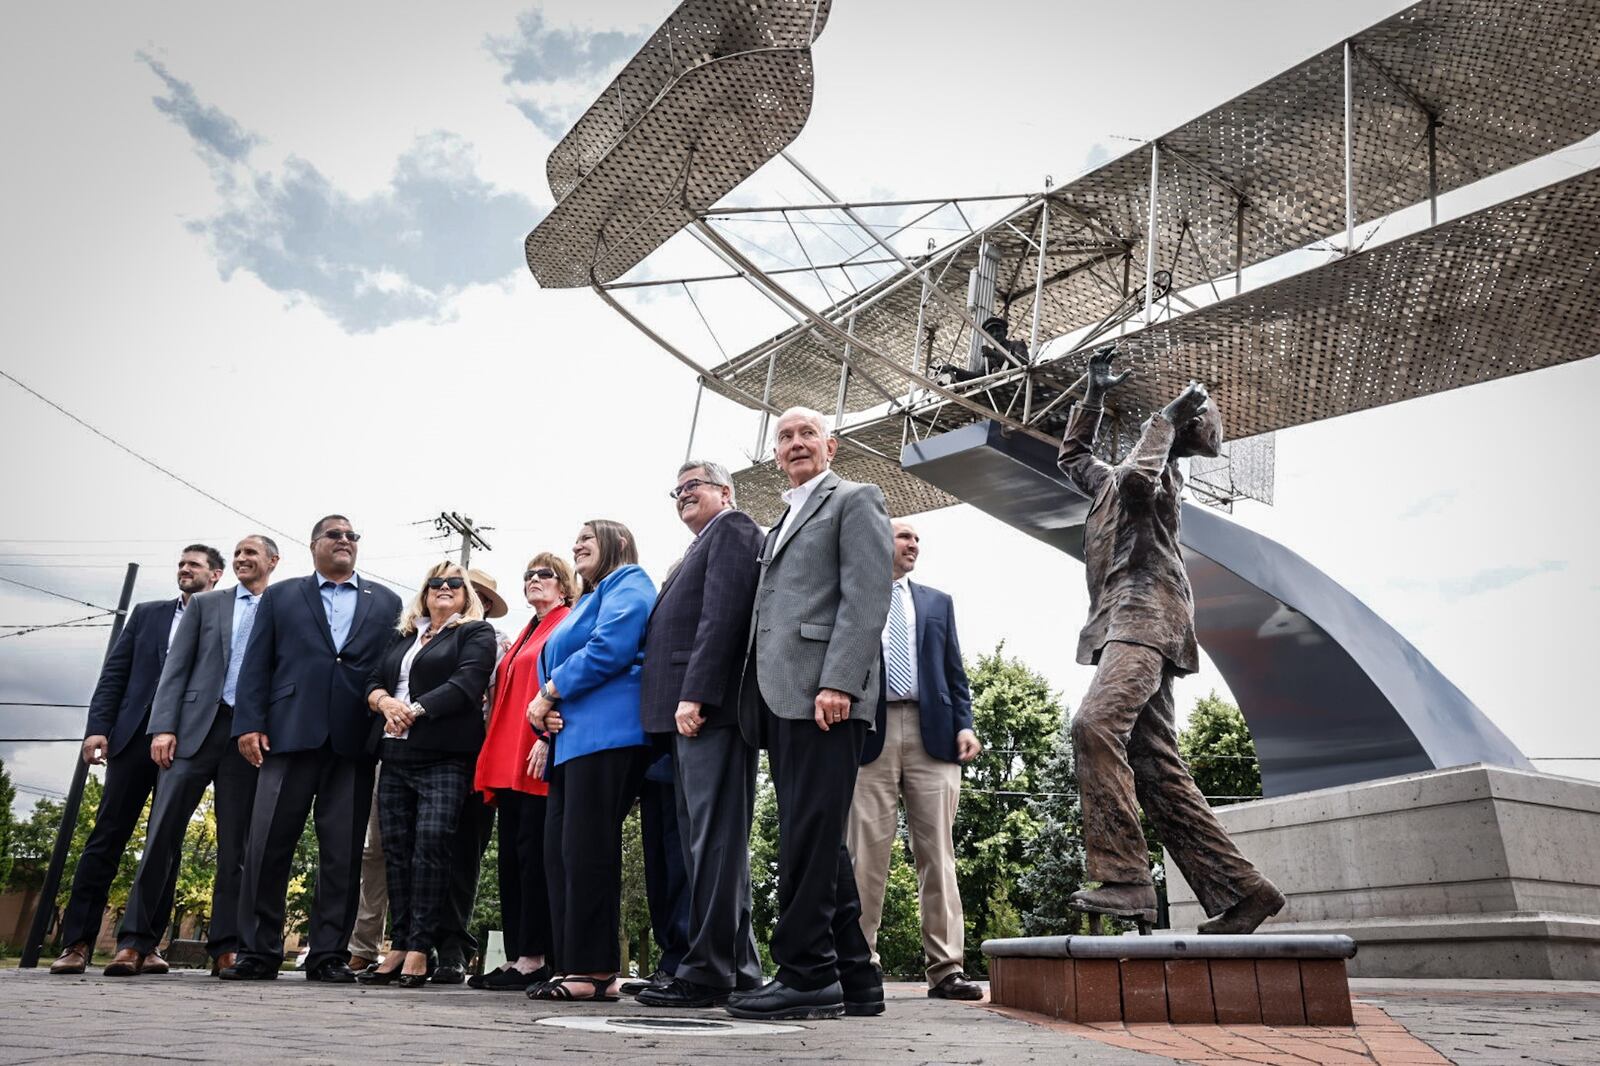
(1473, 871)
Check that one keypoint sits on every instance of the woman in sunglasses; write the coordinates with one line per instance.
(511, 777)
(427, 693)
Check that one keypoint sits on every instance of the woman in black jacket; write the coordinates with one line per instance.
(427, 691)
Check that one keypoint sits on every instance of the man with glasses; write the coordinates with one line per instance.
(119, 712)
(689, 686)
(301, 717)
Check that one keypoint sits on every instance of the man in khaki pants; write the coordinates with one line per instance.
(924, 734)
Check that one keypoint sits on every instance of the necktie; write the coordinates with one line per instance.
(241, 637)
(897, 655)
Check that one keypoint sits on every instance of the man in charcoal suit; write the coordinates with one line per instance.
(118, 713)
(191, 731)
(809, 694)
(302, 720)
(693, 656)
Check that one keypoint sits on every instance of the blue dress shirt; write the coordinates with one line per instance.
(244, 616)
(339, 601)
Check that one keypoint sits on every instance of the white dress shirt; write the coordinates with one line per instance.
(911, 632)
(795, 499)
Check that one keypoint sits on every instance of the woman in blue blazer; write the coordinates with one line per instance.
(589, 702)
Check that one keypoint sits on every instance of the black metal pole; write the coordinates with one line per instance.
(45, 908)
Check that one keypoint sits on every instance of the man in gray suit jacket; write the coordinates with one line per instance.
(191, 739)
(809, 695)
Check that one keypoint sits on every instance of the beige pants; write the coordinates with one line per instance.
(931, 789)
(366, 939)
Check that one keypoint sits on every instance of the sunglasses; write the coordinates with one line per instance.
(342, 534)
(442, 582)
(689, 486)
(542, 573)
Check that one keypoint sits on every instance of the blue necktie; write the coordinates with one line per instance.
(897, 656)
(241, 637)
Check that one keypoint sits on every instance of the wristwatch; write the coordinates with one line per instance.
(549, 692)
(418, 710)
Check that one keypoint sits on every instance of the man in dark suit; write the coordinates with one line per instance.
(693, 656)
(924, 734)
(118, 714)
(302, 719)
(191, 730)
(809, 693)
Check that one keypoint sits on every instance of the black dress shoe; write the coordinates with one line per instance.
(680, 992)
(448, 975)
(249, 968)
(512, 979)
(659, 979)
(334, 972)
(864, 1002)
(956, 986)
(776, 1001)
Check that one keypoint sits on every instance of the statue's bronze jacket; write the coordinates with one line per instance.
(1138, 587)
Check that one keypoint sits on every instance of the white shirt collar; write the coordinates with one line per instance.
(796, 497)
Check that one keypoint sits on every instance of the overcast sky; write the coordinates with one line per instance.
(277, 251)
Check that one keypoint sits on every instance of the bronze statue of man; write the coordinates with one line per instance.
(1140, 635)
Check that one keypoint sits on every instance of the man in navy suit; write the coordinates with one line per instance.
(924, 734)
(693, 657)
(119, 711)
(301, 717)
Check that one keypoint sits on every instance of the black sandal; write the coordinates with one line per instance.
(557, 990)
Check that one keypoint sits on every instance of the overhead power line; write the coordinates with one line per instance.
(51, 592)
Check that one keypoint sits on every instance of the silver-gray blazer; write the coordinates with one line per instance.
(196, 667)
(821, 604)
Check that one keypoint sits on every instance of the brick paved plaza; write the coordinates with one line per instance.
(185, 1017)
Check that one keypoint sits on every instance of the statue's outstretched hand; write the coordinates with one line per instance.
(1101, 379)
(1189, 403)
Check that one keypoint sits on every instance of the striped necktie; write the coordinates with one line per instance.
(897, 656)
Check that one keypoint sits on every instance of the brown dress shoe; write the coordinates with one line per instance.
(360, 962)
(125, 963)
(222, 962)
(73, 960)
(153, 963)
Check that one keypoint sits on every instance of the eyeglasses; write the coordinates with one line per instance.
(542, 573)
(690, 485)
(441, 582)
(342, 534)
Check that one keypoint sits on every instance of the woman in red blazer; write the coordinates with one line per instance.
(510, 776)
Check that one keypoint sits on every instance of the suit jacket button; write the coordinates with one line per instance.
(338, 658)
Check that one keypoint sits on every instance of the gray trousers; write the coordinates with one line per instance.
(1126, 745)
(337, 792)
(716, 785)
(179, 791)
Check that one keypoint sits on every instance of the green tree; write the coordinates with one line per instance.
(900, 930)
(1055, 856)
(1017, 716)
(302, 880)
(8, 825)
(1220, 751)
(764, 863)
(635, 900)
(486, 906)
(197, 866)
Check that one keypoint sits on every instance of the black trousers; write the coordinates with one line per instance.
(337, 792)
(715, 774)
(419, 805)
(524, 890)
(180, 789)
(130, 779)
(817, 939)
(666, 877)
(456, 943)
(589, 798)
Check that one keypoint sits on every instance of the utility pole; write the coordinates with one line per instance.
(449, 522)
(45, 907)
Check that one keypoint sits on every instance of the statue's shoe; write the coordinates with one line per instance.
(1137, 902)
(1245, 915)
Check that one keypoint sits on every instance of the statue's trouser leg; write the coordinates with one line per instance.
(1213, 866)
(1128, 676)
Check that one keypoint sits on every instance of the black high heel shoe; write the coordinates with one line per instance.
(417, 980)
(374, 976)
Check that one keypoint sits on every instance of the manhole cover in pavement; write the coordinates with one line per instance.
(670, 1026)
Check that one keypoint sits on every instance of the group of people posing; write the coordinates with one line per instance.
(325, 696)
